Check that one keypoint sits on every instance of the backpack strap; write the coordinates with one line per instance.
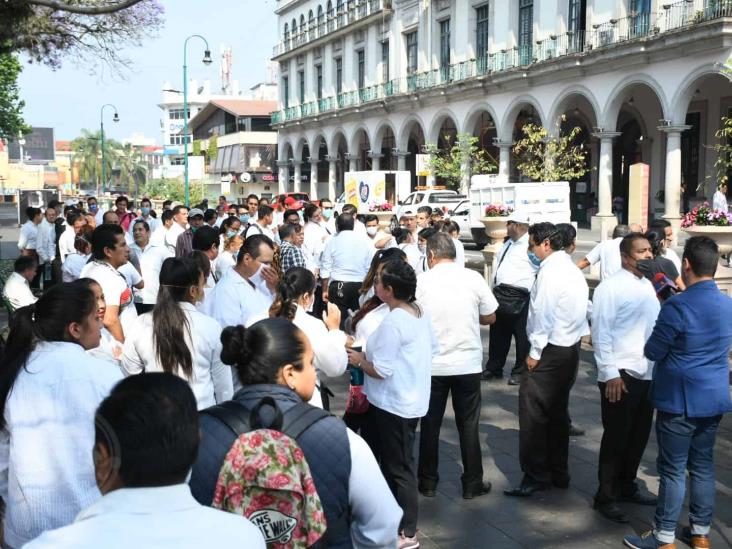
(300, 418)
(232, 414)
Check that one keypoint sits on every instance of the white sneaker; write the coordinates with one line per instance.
(407, 543)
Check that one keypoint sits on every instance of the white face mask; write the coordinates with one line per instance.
(422, 248)
(372, 230)
(309, 308)
(256, 278)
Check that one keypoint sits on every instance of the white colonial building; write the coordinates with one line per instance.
(365, 84)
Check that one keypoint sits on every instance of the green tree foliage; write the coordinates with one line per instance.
(87, 150)
(11, 105)
(542, 157)
(171, 189)
(723, 148)
(132, 166)
(213, 148)
(463, 154)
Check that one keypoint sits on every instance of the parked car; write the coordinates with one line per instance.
(469, 231)
(442, 198)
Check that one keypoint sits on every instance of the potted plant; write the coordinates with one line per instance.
(715, 224)
(383, 212)
(495, 222)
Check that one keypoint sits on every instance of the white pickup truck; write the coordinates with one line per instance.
(442, 198)
(470, 231)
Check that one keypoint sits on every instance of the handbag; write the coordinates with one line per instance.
(511, 299)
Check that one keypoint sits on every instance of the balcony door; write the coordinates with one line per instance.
(526, 31)
(577, 24)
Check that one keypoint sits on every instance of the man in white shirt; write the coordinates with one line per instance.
(46, 243)
(145, 215)
(265, 218)
(607, 253)
(74, 222)
(94, 209)
(158, 236)
(378, 238)
(150, 258)
(458, 301)
(346, 260)
(358, 227)
(513, 278)
(180, 222)
(17, 291)
(109, 252)
(423, 218)
(248, 288)
(146, 441)
(661, 225)
(624, 313)
(557, 321)
(719, 200)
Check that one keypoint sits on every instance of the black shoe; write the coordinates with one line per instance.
(525, 490)
(562, 482)
(487, 375)
(483, 489)
(611, 512)
(575, 431)
(427, 492)
(514, 380)
(640, 498)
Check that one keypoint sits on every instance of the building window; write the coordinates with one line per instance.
(319, 80)
(330, 16)
(526, 31)
(301, 82)
(385, 61)
(321, 21)
(640, 17)
(177, 114)
(445, 46)
(361, 64)
(411, 52)
(577, 17)
(481, 35)
(286, 92)
(177, 139)
(339, 75)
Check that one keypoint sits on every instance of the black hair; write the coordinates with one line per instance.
(31, 212)
(441, 245)
(149, 425)
(105, 236)
(326, 199)
(620, 231)
(626, 245)
(88, 199)
(287, 230)
(290, 212)
(344, 222)
(656, 239)
(208, 215)
(72, 217)
(425, 210)
(659, 224)
(448, 226)
(105, 214)
(144, 223)
(227, 223)
(24, 262)
(170, 324)
(401, 278)
(568, 232)
(702, 253)
(295, 283)
(368, 218)
(122, 198)
(264, 210)
(166, 215)
(259, 353)
(205, 238)
(349, 209)
(47, 319)
(547, 231)
(252, 245)
(309, 211)
(167, 203)
(145, 199)
(178, 208)
(254, 196)
(202, 261)
(400, 235)
(427, 233)
(380, 257)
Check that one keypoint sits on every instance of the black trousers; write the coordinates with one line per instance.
(505, 328)
(465, 390)
(143, 308)
(627, 425)
(345, 296)
(318, 304)
(392, 441)
(544, 415)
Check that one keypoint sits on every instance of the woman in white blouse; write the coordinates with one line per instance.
(176, 338)
(49, 391)
(76, 260)
(295, 297)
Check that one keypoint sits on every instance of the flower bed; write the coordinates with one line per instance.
(497, 210)
(705, 216)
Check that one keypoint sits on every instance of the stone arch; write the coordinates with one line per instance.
(406, 129)
(563, 102)
(336, 137)
(437, 122)
(384, 143)
(476, 112)
(286, 150)
(685, 91)
(360, 145)
(509, 118)
(609, 117)
(356, 138)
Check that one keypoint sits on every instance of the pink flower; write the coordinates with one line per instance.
(234, 494)
(280, 480)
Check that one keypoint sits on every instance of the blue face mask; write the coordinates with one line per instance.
(145, 211)
(93, 208)
(230, 234)
(327, 213)
(244, 218)
(534, 259)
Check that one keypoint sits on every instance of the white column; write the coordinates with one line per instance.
(298, 175)
(605, 220)
(375, 161)
(332, 171)
(352, 162)
(504, 159)
(401, 160)
(283, 175)
(672, 188)
(313, 178)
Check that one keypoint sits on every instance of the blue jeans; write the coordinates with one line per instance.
(684, 442)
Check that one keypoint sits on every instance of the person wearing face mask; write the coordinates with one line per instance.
(230, 227)
(556, 322)
(328, 214)
(94, 209)
(422, 237)
(249, 287)
(659, 263)
(624, 312)
(146, 215)
(184, 341)
(184, 242)
(379, 239)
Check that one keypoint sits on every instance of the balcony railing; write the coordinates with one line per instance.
(351, 12)
(679, 15)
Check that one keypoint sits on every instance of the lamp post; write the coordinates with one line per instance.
(101, 125)
(206, 61)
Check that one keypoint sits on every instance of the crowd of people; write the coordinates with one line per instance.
(134, 330)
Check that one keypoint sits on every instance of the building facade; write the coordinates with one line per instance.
(366, 84)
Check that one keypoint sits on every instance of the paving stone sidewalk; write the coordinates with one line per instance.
(554, 519)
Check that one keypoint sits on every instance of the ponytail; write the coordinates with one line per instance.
(296, 282)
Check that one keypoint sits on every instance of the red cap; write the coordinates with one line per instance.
(290, 201)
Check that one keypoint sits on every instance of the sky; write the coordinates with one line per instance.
(70, 98)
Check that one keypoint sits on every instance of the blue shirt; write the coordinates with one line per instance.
(690, 345)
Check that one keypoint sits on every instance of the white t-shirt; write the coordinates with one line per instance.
(454, 297)
(73, 265)
(607, 253)
(116, 290)
(401, 350)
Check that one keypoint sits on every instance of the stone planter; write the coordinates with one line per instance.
(721, 235)
(495, 228)
(384, 219)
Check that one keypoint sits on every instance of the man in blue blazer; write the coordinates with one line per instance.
(690, 345)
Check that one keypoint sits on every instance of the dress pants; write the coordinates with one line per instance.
(392, 441)
(544, 415)
(143, 308)
(465, 391)
(626, 427)
(501, 332)
(345, 296)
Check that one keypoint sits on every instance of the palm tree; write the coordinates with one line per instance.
(88, 156)
(133, 168)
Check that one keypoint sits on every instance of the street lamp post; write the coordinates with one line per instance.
(206, 61)
(101, 125)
